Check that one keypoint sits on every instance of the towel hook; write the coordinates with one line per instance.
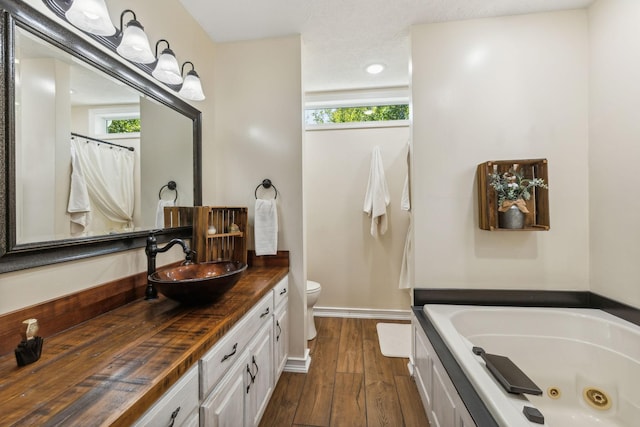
(171, 185)
(266, 183)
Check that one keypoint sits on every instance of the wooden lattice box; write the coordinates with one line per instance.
(538, 205)
(220, 233)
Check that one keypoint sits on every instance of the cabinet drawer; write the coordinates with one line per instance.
(281, 292)
(181, 397)
(225, 352)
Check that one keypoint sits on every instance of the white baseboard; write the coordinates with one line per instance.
(362, 313)
(298, 364)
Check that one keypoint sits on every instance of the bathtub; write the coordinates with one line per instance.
(586, 361)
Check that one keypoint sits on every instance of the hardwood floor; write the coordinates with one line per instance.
(349, 383)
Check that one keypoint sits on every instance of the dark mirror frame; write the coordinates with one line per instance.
(15, 256)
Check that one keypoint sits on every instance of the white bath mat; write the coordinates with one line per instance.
(395, 339)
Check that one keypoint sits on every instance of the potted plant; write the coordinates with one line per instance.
(512, 189)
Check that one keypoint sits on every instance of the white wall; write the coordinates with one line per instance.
(492, 89)
(258, 135)
(37, 192)
(614, 149)
(166, 155)
(354, 269)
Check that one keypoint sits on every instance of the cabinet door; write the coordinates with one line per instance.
(259, 374)
(176, 405)
(225, 406)
(422, 361)
(281, 337)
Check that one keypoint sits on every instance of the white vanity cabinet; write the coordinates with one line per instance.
(243, 394)
(177, 407)
(232, 383)
(224, 407)
(281, 326)
(260, 376)
(440, 398)
(239, 373)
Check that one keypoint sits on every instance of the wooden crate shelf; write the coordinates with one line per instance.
(221, 244)
(538, 205)
(178, 216)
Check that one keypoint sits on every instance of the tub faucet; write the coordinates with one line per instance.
(152, 250)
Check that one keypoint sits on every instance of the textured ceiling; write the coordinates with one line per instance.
(341, 37)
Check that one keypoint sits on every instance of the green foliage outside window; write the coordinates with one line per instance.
(359, 114)
(123, 126)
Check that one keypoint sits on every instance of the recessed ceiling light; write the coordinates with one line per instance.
(375, 68)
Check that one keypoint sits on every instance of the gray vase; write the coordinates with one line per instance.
(513, 218)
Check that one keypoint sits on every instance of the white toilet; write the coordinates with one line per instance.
(313, 292)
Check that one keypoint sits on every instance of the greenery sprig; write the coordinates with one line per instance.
(512, 185)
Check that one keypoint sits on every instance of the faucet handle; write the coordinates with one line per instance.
(188, 259)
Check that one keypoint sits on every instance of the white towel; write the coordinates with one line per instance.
(405, 280)
(79, 205)
(377, 197)
(160, 212)
(405, 202)
(266, 227)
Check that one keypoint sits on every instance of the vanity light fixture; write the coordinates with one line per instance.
(135, 44)
(191, 88)
(167, 69)
(91, 16)
(131, 43)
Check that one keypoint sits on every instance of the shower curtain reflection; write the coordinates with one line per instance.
(108, 173)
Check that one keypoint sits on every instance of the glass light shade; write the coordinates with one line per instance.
(192, 88)
(167, 69)
(135, 44)
(91, 16)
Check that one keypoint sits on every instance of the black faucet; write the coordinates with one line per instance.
(152, 250)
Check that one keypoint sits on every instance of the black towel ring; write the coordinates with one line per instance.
(266, 183)
(171, 185)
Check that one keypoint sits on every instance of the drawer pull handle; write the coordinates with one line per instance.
(279, 331)
(283, 291)
(265, 313)
(253, 360)
(226, 356)
(174, 415)
(252, 376)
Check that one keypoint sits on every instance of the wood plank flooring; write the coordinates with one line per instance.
(349, 383)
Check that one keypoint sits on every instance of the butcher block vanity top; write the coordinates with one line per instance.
(110, 369)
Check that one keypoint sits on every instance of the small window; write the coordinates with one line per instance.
(123, 126)
(370, 113)
(117, 120)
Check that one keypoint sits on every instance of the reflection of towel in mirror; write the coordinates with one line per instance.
(79, 205)
(160, 212)
(266, 227)
(377, 197)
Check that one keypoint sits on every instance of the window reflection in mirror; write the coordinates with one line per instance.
(57, 96)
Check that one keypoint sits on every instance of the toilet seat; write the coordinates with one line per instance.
(312, 286)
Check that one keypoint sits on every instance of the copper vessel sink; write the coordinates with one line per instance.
(197, 283)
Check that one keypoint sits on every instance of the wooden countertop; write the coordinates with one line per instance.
(111, 369)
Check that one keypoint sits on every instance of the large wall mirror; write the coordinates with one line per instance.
(89, 147)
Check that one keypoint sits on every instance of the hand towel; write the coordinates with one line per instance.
(160, 212)
(377, 196)
(405, 279)
(266, 227)
(79, 205)
(405, 202)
